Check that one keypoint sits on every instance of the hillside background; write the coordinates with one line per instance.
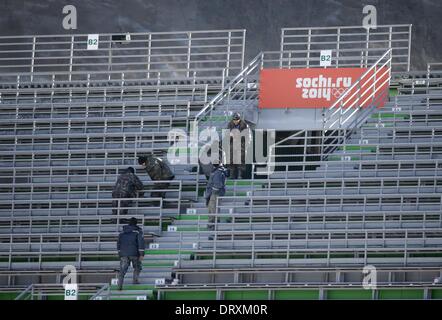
(263, 19)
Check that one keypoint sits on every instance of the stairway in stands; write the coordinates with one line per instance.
(180, 237)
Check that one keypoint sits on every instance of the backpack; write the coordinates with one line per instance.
(219, 179)
(124, 185)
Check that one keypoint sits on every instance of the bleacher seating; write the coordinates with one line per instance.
(374, 200)
(72, 119)
(336, 202)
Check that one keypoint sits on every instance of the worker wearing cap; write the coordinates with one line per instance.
(235, 128)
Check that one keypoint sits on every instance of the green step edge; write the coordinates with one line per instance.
(372, 124)
(191, 229)
(338, 158)
(401, 294)
(126, 298)
(9, 295)
(159, 264)
(292, 294)
(238, 194)
(135, 287)
(215, 118)
(357, 148)
(389, 115)
(297, 294)
(393, 92)
(231, 255)
(189, 295)
(243, 183)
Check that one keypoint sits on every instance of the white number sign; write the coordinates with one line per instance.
(70, 292)
(92, 42)
(325, 58)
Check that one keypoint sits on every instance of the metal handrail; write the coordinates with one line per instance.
(253, 67)
(228, 89)
(380, 38)
(355, 89)
(58, 287)
(24, 292)
(106, 287)
(121, 33)
(257, 64)
(155, 43)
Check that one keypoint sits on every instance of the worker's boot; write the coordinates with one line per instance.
(120, 283)
(136, 276)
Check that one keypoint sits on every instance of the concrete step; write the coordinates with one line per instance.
(190, 218)
(347, 191)
(131, 295)
(183, 225)
(160, 265)
(396, 140)
(125, 292)
(374, 173)
(129, 288)
(398, 123)
(149, 275)
(329, 225)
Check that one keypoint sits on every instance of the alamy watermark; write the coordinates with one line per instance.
(70, 20)
(370, 20)
(70, 284)
(226, 147)
(370, 279)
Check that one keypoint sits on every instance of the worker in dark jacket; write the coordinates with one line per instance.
(157, 169)
(235, 128)
(128, 186)
(206, 165)
(130, 247)
(216, 187)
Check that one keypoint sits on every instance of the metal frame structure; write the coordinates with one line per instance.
(268, 291)
(369, 92)
(305, 45)
(303, 276)
(45, 291)
(171, 54)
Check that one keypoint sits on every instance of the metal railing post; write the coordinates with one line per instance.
(189, 48)
(33, 58)
(71, 58)
(243, 48)
(281, 48)
(309, 47)
(229, 43)
(409, 48)
(149, 48)
(338, 45)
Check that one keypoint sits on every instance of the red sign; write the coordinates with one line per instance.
(319, 88)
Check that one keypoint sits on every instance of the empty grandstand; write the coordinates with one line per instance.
(351, 185)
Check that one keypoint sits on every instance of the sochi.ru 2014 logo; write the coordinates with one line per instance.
(323, 87)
